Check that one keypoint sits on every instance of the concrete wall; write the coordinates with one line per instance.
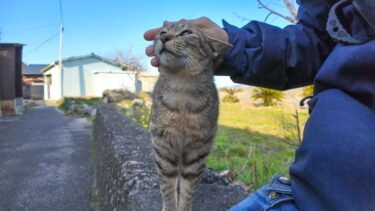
(36, 92)
(125, 172)
(146, 81)
(88, 77)
(51, 88)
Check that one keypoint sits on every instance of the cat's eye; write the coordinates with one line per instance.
(186, 32)
(163, 32)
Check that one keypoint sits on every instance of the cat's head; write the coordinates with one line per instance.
(184, 48)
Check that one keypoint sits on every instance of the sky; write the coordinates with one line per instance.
(103, 26)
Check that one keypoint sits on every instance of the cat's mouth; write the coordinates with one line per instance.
(164, 49)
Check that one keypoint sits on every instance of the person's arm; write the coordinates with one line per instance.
(268, 56)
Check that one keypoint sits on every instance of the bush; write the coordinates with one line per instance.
(268, 97)
(230, 96)
(139, 113)
(231, 99)
(65, 103)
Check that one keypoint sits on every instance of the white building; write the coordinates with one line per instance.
(146, 81)
(86, 76)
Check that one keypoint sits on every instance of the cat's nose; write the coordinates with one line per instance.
(165, 37)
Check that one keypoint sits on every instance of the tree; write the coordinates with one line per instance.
(129, 58)
(289, 5)
(268, 97)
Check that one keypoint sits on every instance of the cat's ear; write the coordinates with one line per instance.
(218, 47)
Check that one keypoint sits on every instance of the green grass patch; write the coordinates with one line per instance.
(258, 129)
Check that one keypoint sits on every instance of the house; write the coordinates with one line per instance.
(33, 81)
(11, 78)
(86, 76)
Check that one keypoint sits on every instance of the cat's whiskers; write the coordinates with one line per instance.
(188, 62)
(178, 46)
(194, 65)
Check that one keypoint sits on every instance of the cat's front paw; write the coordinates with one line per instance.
(184, 209)
(169, 209)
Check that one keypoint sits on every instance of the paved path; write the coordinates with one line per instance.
(45, 162)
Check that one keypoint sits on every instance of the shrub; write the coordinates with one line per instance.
(230, 96)
(139, 113)
(65, 103)
(231, 99)
(268, 97)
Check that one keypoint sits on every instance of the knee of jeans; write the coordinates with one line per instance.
(277, 195)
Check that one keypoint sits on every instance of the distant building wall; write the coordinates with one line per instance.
(51, 90)
(146, 81)
(88, 77)
(33, 87)
(34, 92)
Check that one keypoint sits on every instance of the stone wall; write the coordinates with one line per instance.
(125, 172)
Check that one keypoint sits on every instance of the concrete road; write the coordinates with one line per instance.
(45, 162)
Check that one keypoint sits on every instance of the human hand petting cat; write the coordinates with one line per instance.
(203, 23)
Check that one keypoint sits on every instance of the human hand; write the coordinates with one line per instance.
(203, 23)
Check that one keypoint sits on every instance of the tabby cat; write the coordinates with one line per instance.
(184, 111)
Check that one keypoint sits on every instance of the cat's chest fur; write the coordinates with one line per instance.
(182, 105)
(182, 97)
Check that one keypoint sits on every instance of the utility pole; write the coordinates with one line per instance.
(61, 68)
(60, 58)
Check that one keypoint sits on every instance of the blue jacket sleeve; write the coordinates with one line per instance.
(271, 57)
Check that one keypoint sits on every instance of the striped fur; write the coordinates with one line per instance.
(185, 112)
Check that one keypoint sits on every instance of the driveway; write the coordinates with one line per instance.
(45, 162)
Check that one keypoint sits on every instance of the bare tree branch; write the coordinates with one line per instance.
(269, 14)
(289, 6)
(129, 58)
(241, 17)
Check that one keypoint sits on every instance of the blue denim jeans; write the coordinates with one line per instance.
(275, 196)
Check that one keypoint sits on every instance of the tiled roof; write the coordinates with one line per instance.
(92, 55)
(33, 69)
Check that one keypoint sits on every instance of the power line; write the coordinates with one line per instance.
(42, 43)
(32, 28)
